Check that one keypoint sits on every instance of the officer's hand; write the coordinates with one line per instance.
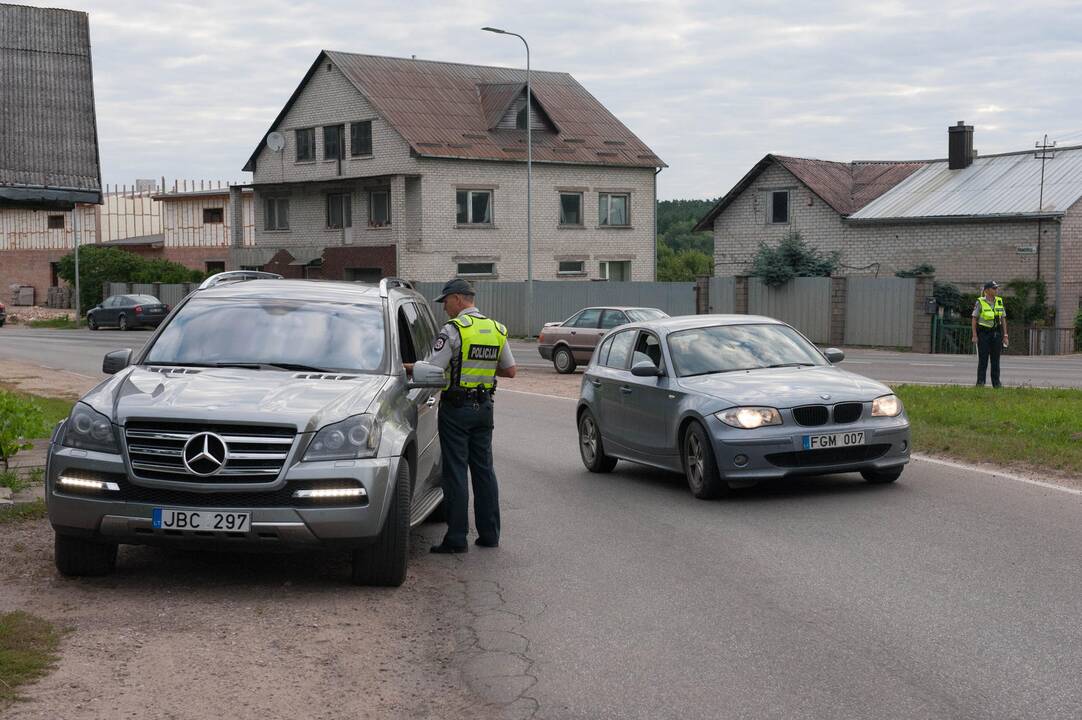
(409, 369)
(974, 339)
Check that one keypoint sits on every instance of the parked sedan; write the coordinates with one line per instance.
(729, 400)
(570, 343)
(3, 315)
(127, 312)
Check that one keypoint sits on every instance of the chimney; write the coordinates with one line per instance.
(959, 146)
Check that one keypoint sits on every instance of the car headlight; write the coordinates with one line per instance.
(354, 437)
(749, 418)
(886, 406)
(88, 429)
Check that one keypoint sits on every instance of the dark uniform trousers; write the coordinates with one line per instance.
(466, 443)
(989, 348)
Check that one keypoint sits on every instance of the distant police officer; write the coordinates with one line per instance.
(473, 350)
(989, 331)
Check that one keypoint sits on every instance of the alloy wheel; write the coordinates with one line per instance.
(693, 456)
(588, 439)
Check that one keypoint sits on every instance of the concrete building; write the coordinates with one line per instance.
(972, 218)
(379, 166)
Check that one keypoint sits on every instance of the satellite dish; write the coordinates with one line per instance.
(276, 141)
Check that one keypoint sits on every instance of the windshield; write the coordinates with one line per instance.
(299, 335)
(644, 314)
(725, 348)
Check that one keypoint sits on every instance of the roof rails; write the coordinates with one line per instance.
(237, 276)
(387, 283)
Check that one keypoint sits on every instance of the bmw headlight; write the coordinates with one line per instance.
(749, 418)
(886, 406)
(354, 437)
(88, 429)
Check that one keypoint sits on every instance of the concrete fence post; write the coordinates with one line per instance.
(740, 302)
(702, 295)
(922, 321)
(839, 291)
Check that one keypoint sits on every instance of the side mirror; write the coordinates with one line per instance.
(427, 375)
(834, 355)
(645, 368)
(116, 361)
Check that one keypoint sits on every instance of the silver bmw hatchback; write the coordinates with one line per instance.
(730, 400)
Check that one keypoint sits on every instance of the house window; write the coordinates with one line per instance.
(256, 268)
(379, 208)
(612, 209)
(314, 270)
(215, 266)
(476, 268)
(56, 222)
(571, 208)
(333, 135)
(615, 270)
(213, 215)
(474, 207)
(778, 207)
(360, 138)
(277, 213)
(306, 144)
(571, 267)
(339, 208)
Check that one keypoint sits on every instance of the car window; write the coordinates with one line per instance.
(647, 347)
(330, 336)
(620, 349)
(144, 300)
(587, 318)
(419, 334)
(612, 318)
(603, 351)
(570, 322)
(109, 302)
(644, 314)
(724, 348)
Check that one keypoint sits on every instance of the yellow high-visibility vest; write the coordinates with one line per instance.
(483, 340)
(990, 314)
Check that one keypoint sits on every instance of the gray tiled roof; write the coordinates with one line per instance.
(48, 133)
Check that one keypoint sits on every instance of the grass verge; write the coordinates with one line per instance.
(52, 409)
(23, 511)
(1030, 428)
(61, 323)
(27, 651)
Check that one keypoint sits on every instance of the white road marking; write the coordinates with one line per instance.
(997, 473)
(544, 395)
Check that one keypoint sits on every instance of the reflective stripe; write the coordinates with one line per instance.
(990, 312)
(483, 341)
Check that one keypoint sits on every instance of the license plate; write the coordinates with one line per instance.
(203, 520)
(833, 440)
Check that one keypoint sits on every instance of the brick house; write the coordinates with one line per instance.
(382, 165)
(972, 218)
(48, 140)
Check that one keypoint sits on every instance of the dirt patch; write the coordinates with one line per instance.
(178, 634)
(26, 313)
(29, 378)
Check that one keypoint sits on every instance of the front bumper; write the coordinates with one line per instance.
(744, 457)
(124, 516)
(545, 351)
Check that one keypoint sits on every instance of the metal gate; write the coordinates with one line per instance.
(952, 338)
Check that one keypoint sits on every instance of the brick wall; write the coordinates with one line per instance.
(966, 254)
(28, 267)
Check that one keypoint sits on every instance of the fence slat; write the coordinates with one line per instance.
(879, 311)
(802, 302)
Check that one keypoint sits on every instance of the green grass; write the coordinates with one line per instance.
(54, 409)
(27, 651)
(1031, 428)
(62, 323)
(13, 481)
(23, 511)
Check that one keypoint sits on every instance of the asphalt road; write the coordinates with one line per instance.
(81, 351)
(950, 594)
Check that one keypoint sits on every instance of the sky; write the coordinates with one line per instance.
(187, 89)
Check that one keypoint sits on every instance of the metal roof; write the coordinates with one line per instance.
(48, 132)
(447, 110)
(993, 186)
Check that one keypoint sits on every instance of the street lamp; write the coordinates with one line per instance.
(529, 177)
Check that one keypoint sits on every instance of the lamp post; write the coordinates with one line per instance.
(529, 178)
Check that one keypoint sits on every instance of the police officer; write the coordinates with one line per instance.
(989, 331)
(473, 350)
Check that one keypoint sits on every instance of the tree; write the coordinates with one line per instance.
(682, 254)
(791, 258)
(682, 266)
(99, 265)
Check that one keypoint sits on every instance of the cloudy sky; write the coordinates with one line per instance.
(186, 89)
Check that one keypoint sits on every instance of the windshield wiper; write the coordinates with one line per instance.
(246, 366)
(795, 364)
(714, 372)
(296, 367)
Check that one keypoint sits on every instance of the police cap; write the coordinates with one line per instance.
(456, 286)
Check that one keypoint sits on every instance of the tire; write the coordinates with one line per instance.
(881, 477)
(124, 323)
(91, 323)
(79, 557)
(591, 449)
(383, 564)
(563, 361)
(700, 466)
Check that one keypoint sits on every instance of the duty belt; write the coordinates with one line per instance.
(464, 395)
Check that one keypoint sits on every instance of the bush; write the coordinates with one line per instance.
(682, 266)
(922, 270)
(99, 265)
(1078, 332)
(791, 258)
(20, 418)
(948, 296)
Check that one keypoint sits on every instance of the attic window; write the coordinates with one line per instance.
(777, 210)
(56, 222)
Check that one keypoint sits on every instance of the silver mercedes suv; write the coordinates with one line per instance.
(263, 413)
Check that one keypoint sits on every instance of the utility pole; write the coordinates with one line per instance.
(75, 232)
(1046, 151)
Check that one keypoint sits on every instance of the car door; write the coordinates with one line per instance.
(421, 335)
(609, 378)
(584, 334)
(650, 403)
(108, 311)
